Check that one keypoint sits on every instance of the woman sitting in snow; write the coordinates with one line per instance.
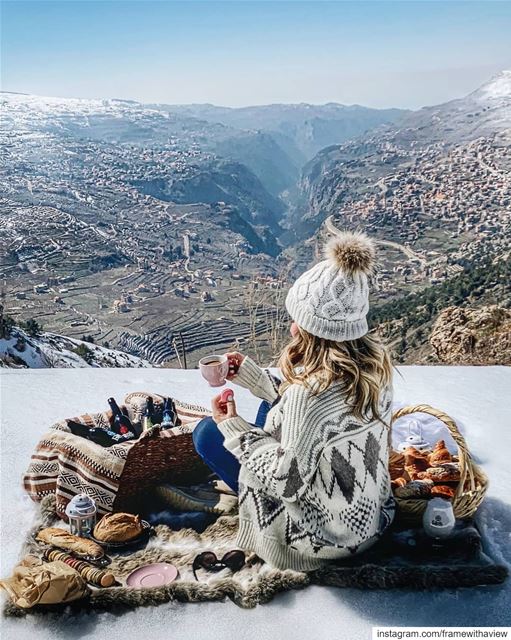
(313, 483)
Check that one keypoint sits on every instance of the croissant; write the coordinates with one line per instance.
(415, 462)
(396, 464)
(440, 454)
(443, 491)
(396, 470)
(398, 482)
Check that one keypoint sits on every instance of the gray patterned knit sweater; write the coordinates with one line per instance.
(314, 483)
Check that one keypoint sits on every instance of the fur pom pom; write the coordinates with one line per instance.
(351, 252)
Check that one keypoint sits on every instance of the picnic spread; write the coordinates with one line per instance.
(133, 517)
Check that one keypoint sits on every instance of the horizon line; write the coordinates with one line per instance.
(248, 106)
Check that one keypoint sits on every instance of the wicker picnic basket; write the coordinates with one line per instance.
(473, 481)
(117, 476)
(160, 455)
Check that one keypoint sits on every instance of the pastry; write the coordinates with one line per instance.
(442, 491)
(398, 482)
(415, 489)
(396, 472)
(446, 472)
(118, 527)
(415, 462)
(396, 465)
(440, 454)
(63, 540)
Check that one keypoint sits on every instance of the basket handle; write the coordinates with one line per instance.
(466, 468)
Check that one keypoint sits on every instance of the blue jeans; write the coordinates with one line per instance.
(209, 444)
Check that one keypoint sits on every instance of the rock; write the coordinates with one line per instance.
(471, 336)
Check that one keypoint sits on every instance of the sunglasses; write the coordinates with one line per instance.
(233, 560)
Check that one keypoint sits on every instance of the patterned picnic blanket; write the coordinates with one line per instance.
(65, 464)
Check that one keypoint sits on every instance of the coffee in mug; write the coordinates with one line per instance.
(214, 369)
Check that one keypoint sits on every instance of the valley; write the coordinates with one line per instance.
(169, 231)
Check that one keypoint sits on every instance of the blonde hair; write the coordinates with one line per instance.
(363, 367)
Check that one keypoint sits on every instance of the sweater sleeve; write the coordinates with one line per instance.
(259, 381)
(273, 462)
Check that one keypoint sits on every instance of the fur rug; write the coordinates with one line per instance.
(386, 567)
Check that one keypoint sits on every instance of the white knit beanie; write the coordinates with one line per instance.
(331, 300)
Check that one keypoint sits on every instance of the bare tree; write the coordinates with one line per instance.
(268, 318)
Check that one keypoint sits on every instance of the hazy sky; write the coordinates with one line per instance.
(403, 54)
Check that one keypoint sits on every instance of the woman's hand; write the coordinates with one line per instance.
(223, 410)
(235, 359)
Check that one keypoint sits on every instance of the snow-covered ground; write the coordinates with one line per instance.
(53, 350)
(479, 397)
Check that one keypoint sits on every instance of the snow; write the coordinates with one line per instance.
(22, 102)
(29, 113)
(477, 396)
(497, 87)
(53, 350)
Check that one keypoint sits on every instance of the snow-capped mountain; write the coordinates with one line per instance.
(199, 149)
(486, 111)
(496, 89)
(24, 102)
(49, 350)
(112, 119)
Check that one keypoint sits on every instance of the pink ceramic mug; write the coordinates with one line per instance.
(214, 369)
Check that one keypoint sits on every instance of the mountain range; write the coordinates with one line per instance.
(434, 190)
(301, 129)
(328, 180)
(106, 193)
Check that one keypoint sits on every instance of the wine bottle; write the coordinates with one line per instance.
(103, 437)
(168, 418)
(148, 417)
(121, 423)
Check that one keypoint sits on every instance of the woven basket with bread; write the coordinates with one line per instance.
(417, 476)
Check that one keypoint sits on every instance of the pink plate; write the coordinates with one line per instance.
(152, 575)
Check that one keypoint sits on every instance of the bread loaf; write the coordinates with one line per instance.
(118, 527)
(64, 540)
(398, 482)
(396, 465)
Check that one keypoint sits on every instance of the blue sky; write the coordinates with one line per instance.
(381, 54)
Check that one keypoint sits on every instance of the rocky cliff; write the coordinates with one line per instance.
(473, 336)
